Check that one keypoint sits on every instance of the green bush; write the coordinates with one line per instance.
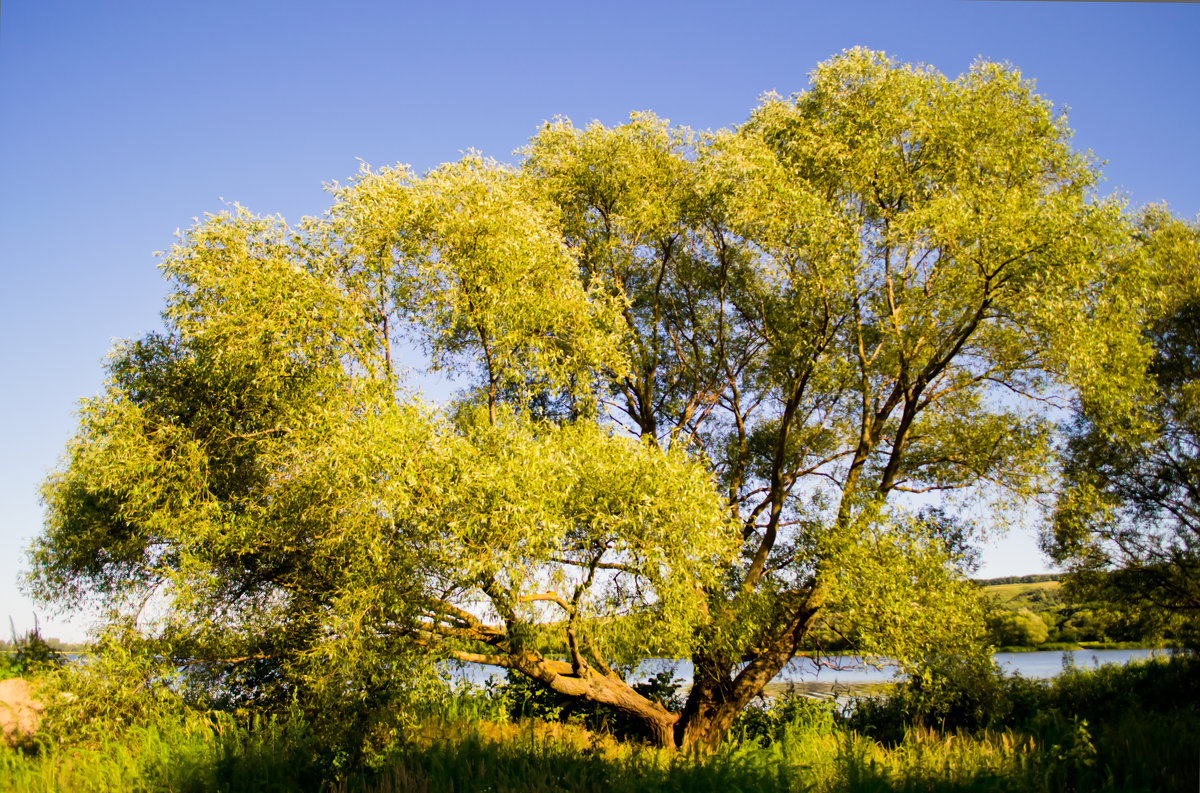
(1020, 628)
(1164, 684)
(947, 693)
(31, 654)
(952, 695)
(770, 720)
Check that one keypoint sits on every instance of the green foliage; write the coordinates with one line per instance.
(946, 693)
(1084, 609)
(120, 686)
(951, 695)
(127, 689)
(893, 591)
(31, 654)
(697, 369)
(773, 720)
(1017, 629)
(1127, 523)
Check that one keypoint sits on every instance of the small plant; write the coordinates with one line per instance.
(768, 722)
(32, 653)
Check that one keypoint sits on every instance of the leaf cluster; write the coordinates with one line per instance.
(1128, 517)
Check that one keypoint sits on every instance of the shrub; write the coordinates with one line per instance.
(767, 722)
(948, 693)
(952, 695)
(32, 654)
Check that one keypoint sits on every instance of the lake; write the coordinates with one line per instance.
(847, 672)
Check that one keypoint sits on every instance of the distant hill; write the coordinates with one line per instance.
(1020, 579)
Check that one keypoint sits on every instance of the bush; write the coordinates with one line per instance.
(953, 695)
(113, 691)
(32, 654)
(768, 722)
(1017, 629)
(948, 693)
(1159, 685)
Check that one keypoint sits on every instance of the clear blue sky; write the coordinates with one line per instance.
(121, 121)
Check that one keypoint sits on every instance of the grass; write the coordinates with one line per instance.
(530, 756)
(1006, 593)
(539, 757)
(1106, 729)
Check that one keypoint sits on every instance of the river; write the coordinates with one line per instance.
(851, 672)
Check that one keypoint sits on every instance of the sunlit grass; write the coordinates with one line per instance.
(535, 756)
(1143, 734)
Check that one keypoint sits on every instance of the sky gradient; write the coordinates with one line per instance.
(122, 121)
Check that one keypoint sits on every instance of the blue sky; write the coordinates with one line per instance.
(121, 121)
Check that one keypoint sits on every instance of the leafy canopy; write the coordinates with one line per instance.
(703, 373)
(1127, 521)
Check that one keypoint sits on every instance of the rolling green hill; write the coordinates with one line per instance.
(1036, 595)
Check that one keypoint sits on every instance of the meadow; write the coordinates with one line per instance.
(1107, 729)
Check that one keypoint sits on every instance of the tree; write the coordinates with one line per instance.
(235, 486)
(701, 369)
(1127, 522)
(1020, 628)
(862, 292)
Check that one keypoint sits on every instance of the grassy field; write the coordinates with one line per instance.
(1108, 729)
(1018, 595)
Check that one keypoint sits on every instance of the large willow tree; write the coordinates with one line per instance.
(699, 369)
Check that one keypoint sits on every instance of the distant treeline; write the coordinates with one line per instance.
(57, 645)
(1019, 579)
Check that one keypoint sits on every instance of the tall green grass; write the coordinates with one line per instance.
(1108, 729)
(205, 752)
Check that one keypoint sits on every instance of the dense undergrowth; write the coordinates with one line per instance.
(1109, 728)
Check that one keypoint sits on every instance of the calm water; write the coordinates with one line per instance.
(846, 669)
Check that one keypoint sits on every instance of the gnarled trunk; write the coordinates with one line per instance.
(718, 695)
(619, 695)
(586, 683)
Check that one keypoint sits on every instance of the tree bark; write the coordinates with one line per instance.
(718, 695)
(619, 695)
(591, 686)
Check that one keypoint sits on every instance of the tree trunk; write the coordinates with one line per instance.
(662, 731)
(710, 709)
(718, 695)
(605, 689)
